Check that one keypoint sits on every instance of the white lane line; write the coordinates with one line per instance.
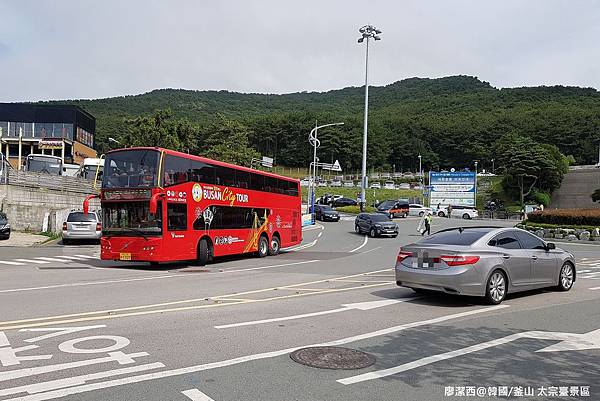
(39, 262)
(268, 267)
(344, 308)
(86, 256)
(77, 380)
(371, 250)
(196, 395)
(298, 248)
(595, 288)
(52, 259)
(360, 246)
(89, 283)
(7, 262)
(49, 395)
(68, 257)
(319, 236)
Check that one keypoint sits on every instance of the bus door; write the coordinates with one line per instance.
(177, 240)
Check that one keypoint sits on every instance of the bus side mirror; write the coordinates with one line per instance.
(154, 202)
(86, 203)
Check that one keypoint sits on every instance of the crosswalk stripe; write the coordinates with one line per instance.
(52, 259)
(87, 257)
(7, 262)
(68, 257)
(39, 262)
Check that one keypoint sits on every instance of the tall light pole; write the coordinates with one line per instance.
(314, 141)
(367, 32)
(421, 178)
(475, 183)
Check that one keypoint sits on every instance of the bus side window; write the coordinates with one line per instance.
(176, 216)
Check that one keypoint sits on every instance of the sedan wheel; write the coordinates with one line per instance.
(373, 232)
(441, 214)
(496, 288)
(466, 216)
(356, 229)
(421, 214)
(566, 278)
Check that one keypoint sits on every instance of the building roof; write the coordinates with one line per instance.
(47, 113)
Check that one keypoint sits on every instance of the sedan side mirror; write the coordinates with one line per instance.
(550, 246)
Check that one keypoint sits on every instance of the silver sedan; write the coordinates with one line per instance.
(487, 262)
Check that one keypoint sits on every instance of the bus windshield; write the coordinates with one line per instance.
(44, 164)
(130, 219)
(131, 169)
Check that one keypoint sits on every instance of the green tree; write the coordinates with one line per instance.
(228, 141)
(160, 130)
(596, 195)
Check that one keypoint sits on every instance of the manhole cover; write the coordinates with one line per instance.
(332, 358)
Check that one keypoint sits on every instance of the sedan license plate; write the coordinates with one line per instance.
(124, 256)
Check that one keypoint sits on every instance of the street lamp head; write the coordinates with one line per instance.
(360, 40)
(377, 31)
(376, 38)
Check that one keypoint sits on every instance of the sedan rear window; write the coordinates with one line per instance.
(79, 217)
(454, 237)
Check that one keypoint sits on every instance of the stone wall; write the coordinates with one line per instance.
(35, 209)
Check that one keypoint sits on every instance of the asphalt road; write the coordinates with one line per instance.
(75, 327)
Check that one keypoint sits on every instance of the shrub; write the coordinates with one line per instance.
(540, 197)
(578, 217)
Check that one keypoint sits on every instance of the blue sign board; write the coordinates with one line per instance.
(452, 188)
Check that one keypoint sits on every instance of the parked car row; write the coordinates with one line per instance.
(336, 183)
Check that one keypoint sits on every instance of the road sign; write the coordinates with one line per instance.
(333, 167)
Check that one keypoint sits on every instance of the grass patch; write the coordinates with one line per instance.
(354, 209)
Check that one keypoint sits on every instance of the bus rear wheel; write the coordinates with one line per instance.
(203, 252)
(263, 246)
(275, 245)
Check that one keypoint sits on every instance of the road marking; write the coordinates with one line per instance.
(229, 362)
(86, 256)
(88, 283)
(319, 236)
(113, 313)
(7, 262)
(299, 248)
(595, 288)
(360, 246)
(568, 341)
(359, 306)
(68, 257)
(371, 250)
(268, 267)
(196, 395)
(77, 380)
(39, 262)
(51, 259)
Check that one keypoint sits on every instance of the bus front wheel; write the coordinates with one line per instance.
(203, 252)
(263, 246)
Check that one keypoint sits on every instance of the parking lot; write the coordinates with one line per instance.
(75, 327)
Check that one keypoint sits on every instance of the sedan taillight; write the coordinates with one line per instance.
(98, 227)
(64, 226)
(460, 260)
(403, 255)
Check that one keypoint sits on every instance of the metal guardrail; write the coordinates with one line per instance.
(51, 182)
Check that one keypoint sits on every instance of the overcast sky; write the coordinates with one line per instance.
(65, 49)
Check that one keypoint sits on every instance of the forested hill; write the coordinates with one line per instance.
(450, 121)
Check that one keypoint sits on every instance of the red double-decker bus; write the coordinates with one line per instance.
(159, 205)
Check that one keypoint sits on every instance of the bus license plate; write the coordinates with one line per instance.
(125, 256)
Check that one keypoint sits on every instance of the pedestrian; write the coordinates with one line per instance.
(449, 211)
(427, 221)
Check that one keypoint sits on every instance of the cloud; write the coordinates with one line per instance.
(89, 49)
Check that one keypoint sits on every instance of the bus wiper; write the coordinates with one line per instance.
(140, 232)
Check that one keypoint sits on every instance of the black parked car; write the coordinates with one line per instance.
(344, 202)
(326, 213)
(375, 224)
(4, 226)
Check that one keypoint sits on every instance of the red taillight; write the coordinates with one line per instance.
(403, 255)
(459, 260)
(65, 226)
(98, 227)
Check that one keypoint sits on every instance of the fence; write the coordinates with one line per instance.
(30, 179)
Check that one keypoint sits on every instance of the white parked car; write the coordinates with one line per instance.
(416, 209)
(404, 185)
(385, 175)
(389, 185)
(322, 184)
(305, 182)
(349, 184)
(375, 185)
(463, 212)
(336, 183)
